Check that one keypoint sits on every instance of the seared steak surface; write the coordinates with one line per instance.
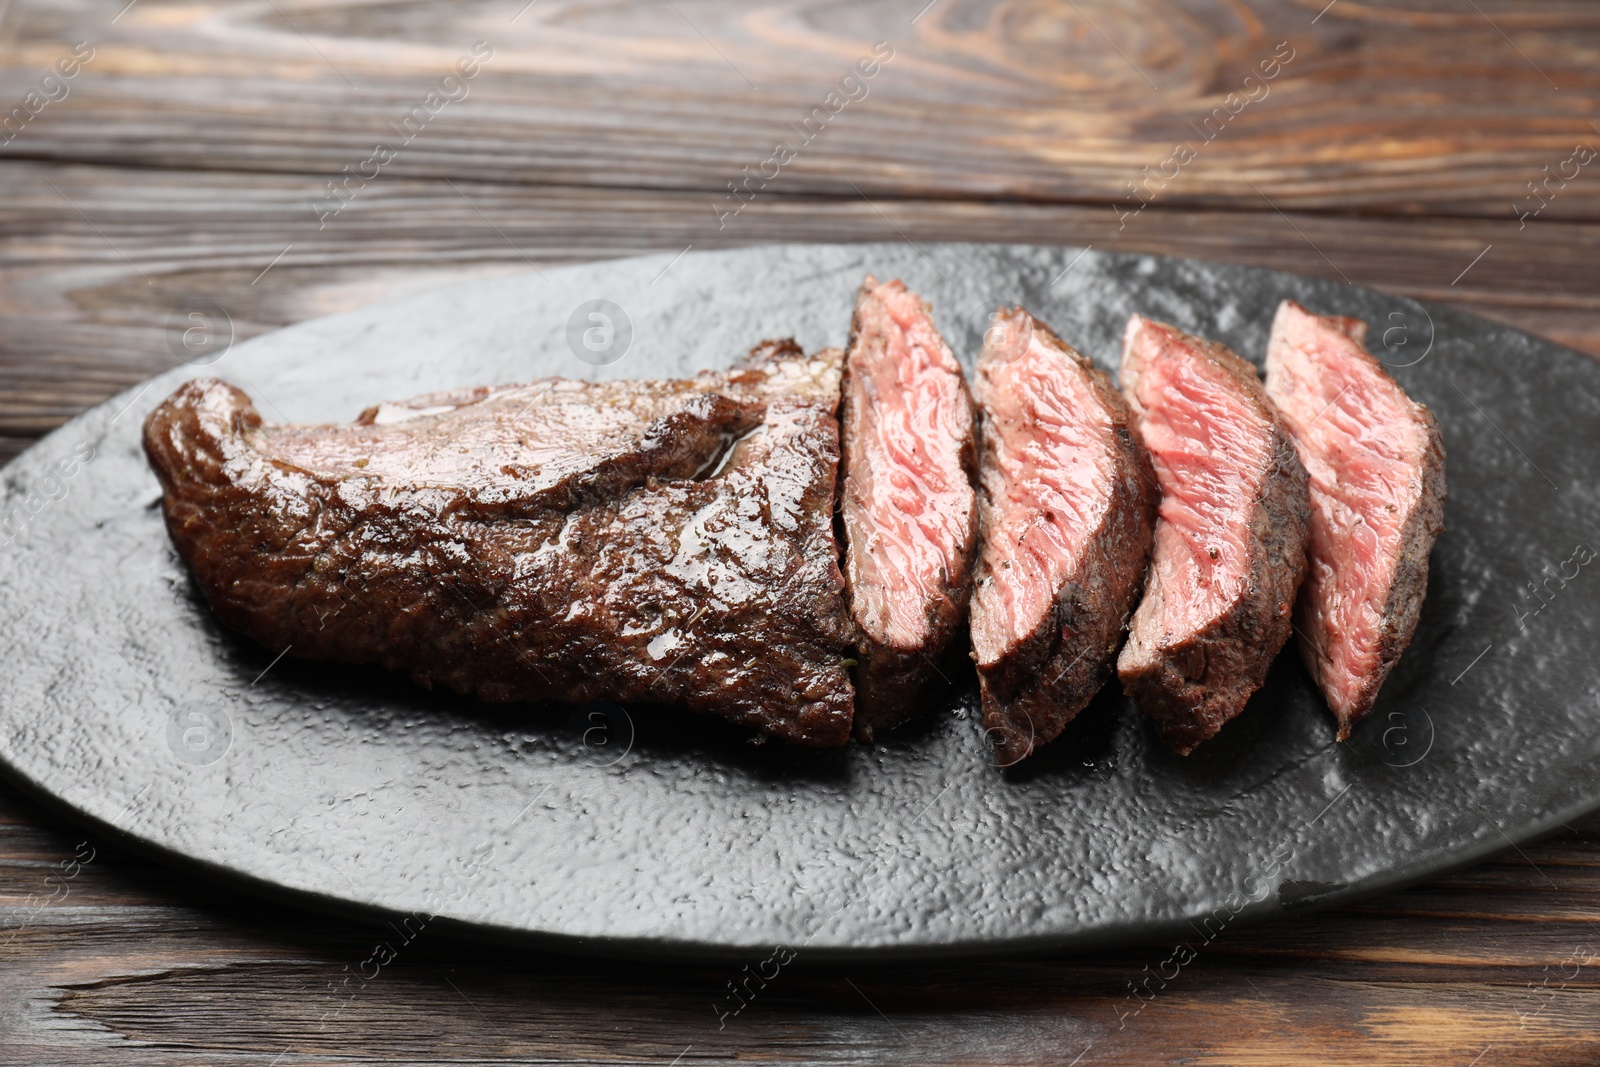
(908, 508)
(1068, 508)
(1376, 463)
(1230, 543)
(669, 542)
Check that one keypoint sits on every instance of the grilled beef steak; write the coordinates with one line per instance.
(1230, 543)
(909, 512)
(1068, 510)
(1376, 462)
(669, 542)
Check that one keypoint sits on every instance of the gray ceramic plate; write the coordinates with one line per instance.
(648, 830)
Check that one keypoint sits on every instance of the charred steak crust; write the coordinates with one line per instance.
(1403, 608)
(562, 540)
(909, 534)
(1352, 698)
(1035, 681)
(1193, 682)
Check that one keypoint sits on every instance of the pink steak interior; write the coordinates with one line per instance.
(1046, 478)
(1210, 454)
(1361, 444)
(909, 501)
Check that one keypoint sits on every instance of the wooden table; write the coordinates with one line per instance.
(1428, 149)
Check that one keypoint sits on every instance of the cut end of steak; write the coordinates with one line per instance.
(1068, 508)
(908, 509)
(1376, 465)
(562, 540)
(1230, 542)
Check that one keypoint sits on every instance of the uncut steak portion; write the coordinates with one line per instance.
(669, 542)
(908, 509)
(1230, 543)
(1376, 462)
(1068, 508)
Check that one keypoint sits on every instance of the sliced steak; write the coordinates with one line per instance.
(1230, 543)
(669, 542)
(909, 512)
(1068, 510)
(1376, 462)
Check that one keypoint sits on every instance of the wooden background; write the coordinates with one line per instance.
(1395, 149)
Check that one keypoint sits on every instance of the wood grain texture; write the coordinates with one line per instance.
(188, 160)
(1430, 106)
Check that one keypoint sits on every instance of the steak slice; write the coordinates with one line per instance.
(1068, 509)
(669, 542)
(1230, 543)
(909, 513)
(1376, 463)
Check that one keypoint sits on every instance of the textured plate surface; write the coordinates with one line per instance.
(654, 831)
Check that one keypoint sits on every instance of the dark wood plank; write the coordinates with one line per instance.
(1434, 106)
(95, 261)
